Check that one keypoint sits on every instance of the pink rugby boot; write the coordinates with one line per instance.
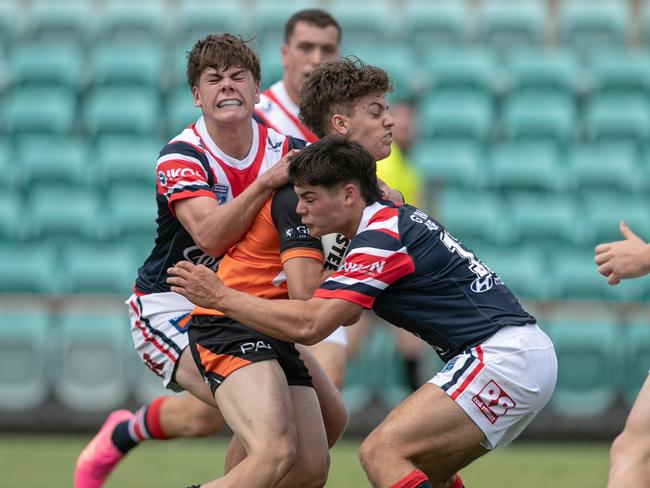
(100, 456)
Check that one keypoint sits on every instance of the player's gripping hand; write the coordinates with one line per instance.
(197, 283)
(629, 258)
(278, 176)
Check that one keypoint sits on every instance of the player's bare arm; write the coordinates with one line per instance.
(301, 321)
(629, 258)
(216, 227)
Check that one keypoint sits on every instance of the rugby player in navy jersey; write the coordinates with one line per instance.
(212, 180)
(630, 452)
(501, 368)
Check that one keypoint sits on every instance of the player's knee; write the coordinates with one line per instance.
(372, 452)
(312, 470)
(279, 454)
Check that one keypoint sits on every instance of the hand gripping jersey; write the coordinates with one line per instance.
(416, 275)
(189, 166)
(277, 110)
(254, 264)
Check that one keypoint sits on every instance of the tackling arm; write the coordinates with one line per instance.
(301, 321)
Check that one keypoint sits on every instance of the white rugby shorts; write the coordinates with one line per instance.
(503, 383)
(159, 331)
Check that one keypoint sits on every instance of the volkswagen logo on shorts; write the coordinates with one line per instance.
(481, 285)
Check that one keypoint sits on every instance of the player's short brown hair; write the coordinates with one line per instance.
(221, 51)
(334, 87)
(315, 16)
(334, 160)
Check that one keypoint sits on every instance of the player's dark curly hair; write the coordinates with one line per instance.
(221, 51)
(334, 87)
(335, 160)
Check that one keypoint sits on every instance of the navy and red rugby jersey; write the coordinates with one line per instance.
(189, 166)
(276, 110)
(413, 273)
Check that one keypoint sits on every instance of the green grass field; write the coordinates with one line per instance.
(48, 461)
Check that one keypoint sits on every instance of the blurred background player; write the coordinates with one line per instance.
(211, 179)
(630, 452)
(311, 37)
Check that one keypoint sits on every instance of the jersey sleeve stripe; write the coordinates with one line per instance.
(374, 251)
(348, 295)
(352, 281)
(302, 252)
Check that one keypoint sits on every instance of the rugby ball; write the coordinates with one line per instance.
(335, 247)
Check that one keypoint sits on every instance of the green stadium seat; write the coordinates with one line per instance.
(543, 220)
(605, 166)
(621, 73)
(38, 163)
(63, 213)
(398, 60)
(468, 70)
(387, 375)
(618, 118)
(357, 392)
(84, 270)
(127, 160)
(449, 163)
(122, 64)
(575, 276)
(70, 21)
(7, 165)
(122, 111)
(588, 362)
(92, 375)
(9, 12)
(554, 71)
(539, 117)
(10, 210)
(364, 21)
(47, 65)
(589, 27)
(28, 268)
(25, 359)
(133, 212)
(636, 357)
(180, 111)
(522, 269)
(124, 20)
(430, 26)
(474, 218)
(466, 117)
(271, 65)
(197, 18)
(40, 110)
(604, 210)
(507, 25)
(525, 166)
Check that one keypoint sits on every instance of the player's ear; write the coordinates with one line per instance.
(195, 96)
(340, 124)
(350, 193)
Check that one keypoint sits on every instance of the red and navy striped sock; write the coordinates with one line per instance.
(144, 425)
(415, 479)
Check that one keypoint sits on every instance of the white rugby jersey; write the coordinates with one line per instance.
(192, 165)
(278, 111)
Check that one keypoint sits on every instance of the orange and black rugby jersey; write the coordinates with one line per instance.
(254, 264)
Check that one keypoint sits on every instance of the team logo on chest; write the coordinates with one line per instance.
(221, 191)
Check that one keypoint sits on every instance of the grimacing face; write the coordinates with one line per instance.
(320, 208)
(371, 125)
(307, 48)
(227, 96)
